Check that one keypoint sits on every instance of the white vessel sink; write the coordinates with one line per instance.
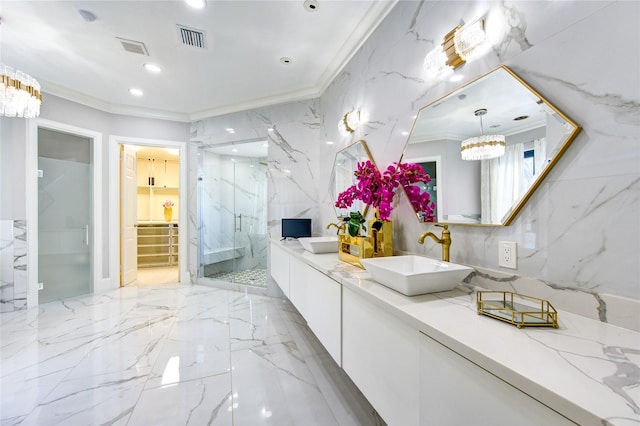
(320, 244)
(414, 275)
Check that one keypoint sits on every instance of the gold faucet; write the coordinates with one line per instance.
(445, 240)
(342, 227)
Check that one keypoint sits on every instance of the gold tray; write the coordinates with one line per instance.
(517, 309)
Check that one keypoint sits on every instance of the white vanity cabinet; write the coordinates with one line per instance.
(380, 354)
(318, 298)
(279, 263)
(455, 391)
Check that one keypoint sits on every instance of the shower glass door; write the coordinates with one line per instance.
(232, 195)
(64, 215)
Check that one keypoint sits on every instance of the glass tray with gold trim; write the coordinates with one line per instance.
(517, 309)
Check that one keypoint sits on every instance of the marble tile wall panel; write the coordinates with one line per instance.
(6, 266)
(20, 264)
(13, 265)
(292, 161)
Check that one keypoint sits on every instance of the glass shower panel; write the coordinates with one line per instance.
(232, 197)
(64, 215)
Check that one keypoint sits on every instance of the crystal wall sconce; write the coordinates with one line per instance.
(458, 46)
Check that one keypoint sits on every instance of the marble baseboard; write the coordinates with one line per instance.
(13, 269)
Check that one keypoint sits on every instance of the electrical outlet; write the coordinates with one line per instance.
(40, 286)
(507, 254)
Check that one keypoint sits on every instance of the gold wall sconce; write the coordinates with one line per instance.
(352, 120)
(458, 46)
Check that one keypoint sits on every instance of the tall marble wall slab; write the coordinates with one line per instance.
(291, 131)
(13, 265)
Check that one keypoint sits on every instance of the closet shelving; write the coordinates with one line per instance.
(157, 181)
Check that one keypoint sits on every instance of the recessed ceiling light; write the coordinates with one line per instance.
(456, 77)
(522, 117)
(152, 68)
(136, 92)
(196, 4)
(329, 142)
(285, 60)
(311, 5)
(405, 133)
(270, 129)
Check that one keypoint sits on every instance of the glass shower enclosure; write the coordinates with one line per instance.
(232, 213)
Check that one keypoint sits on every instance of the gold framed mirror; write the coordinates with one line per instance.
(345, 163)
(488, 191)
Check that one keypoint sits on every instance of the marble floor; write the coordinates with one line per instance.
(157, 275)
(171, 355)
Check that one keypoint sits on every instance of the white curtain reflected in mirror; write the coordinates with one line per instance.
(504, 180)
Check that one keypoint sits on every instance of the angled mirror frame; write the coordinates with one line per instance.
(537, 135)
(344, 164)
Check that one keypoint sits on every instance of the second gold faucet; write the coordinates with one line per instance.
(445, 241)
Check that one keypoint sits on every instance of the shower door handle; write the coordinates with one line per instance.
(239, 219)
(86, 234)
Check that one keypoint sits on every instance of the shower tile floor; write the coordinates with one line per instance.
(171, 354)
(254, 277)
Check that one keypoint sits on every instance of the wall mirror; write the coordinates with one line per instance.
(345, 163)
(488, 192)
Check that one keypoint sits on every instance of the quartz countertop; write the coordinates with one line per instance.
(586, 370)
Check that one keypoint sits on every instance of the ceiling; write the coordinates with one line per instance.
(238, 68)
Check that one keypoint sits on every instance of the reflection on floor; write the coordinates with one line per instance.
(171, 354)
(155, 276)
(253, 277)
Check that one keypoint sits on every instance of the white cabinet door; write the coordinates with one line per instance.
(455, 391)
(318, 299)
(380, 354)
(324, 310)
(298, 287)
(279, 264)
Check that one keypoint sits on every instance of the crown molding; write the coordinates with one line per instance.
(372, 18)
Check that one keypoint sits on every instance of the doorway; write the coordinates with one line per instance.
(149, 215)
(65, 228)
(232, 212)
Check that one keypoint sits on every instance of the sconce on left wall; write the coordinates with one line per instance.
(459, 45)
(352, 120)
(19, 94)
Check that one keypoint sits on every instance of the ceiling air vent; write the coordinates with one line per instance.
(133, 46)
(192, 37)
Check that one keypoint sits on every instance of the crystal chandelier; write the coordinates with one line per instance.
(19, 94)
(483, 147)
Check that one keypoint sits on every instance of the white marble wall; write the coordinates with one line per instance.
(584, 218)
(293, 161)
(581, 228)
(13, 265)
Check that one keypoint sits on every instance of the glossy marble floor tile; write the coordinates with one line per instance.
(173, 355)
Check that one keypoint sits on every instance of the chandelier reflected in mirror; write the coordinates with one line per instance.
(19, 94)
(483, 147)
